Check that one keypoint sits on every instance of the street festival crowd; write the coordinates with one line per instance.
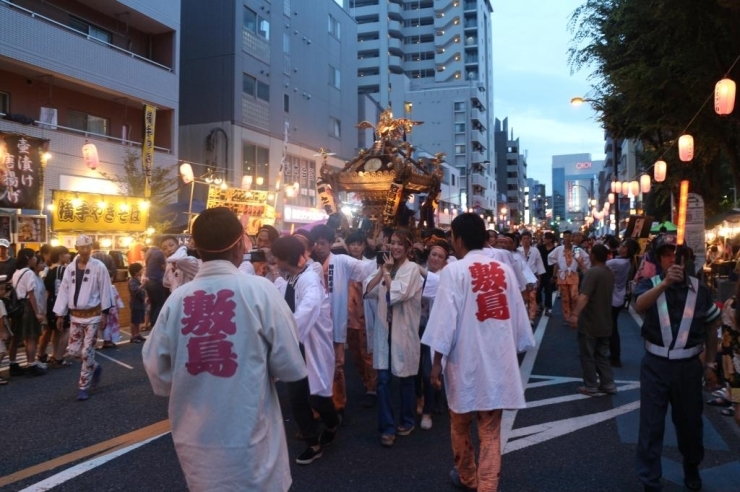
(441, 317)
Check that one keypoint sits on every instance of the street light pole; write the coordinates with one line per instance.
(616, 178)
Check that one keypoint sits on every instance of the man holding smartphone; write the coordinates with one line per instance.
(680, 321)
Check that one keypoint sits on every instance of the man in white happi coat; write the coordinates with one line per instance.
(218, 346)
(339, 271)
(476, 327)
(504, 256)
(181, 268)
(85, 293)
(533, 259)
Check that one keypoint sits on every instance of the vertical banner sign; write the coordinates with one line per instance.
(20, 171)
(281, 172)
(304, 176)
(694, 235)
(147, 147)
(288, 171)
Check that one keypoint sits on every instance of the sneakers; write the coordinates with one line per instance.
(455, 478)
(426, 421)
(590, 391)
(403, 430)
(96, 376)
(309, 456)
(387, 440)
(610, 391)
(82, 395)
(16, 369)
(369, 400)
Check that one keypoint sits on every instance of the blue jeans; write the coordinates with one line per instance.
(386, 420)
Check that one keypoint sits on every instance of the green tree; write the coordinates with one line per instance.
(654, 66)
(162, 185)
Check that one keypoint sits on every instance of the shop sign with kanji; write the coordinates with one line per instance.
(20, 170)
(94, 212)
(242, 202)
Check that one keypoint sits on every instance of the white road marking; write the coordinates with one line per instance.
(77, 470)
(576, 396)
(114, 360)
(552, 380)
(536, 434)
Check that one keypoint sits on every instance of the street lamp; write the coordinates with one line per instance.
(468, 187)
(210, 178)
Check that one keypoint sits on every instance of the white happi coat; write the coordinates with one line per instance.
(405, 299)
(477, 337)
(522, 265)
(180, 269)
(313, 319)
(341, 270)
(95, 290)
(534, 259)
(224, 410)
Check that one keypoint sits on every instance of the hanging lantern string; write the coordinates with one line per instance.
(696, 115)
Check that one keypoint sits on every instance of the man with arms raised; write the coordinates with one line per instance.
(219, 343)
(478, 324)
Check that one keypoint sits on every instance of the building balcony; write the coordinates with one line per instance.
(395, 64)
(477, 136)
(41, 41)
(395, 11)
(368, 62)
(395, 46)
(477, 157)
(395, 28)
(477, 179)
(368, 45)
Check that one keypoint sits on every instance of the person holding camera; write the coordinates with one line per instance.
(397, 284)
(680, 323)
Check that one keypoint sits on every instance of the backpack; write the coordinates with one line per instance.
(14, 305)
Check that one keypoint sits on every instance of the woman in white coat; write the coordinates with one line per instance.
(309, 302)
(397, 285)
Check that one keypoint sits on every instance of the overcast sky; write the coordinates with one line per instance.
(532, 84)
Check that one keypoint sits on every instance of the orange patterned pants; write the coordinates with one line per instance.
(485, 476)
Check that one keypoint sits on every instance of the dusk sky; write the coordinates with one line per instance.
(533, 85)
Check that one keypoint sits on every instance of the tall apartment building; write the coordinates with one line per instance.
(536, 203)
(270, 84)
(511, 171)
(81, 71)
(431, 60)
(573, 186)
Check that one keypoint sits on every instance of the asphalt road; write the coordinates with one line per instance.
(562, 442)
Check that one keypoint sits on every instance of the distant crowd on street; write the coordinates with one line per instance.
(444, 314)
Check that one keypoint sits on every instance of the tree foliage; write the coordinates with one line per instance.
(654, 66)
(162, 185)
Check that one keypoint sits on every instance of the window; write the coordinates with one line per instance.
(256, 24)
(255, 88)
(334, 27)
(256, 164)
(334, 77)
(452, 176)
(286, 43)
(459, 127)
(459, 106)
(335, 127)
(92, 32)
(286, 103)
(459, 149)
(4, 103)
(87, 123)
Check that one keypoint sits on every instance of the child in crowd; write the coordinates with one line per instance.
(112, 330)
(138, 302)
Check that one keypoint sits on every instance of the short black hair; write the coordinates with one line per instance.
(323, 231)
(356, 237)
(23, 256)
(549, 235)
(600, 253)
(134, 268)
(567, 231)
(471, 230)
(57, 252)
(289, 249)
(168, 238)
(525, 233)
(45, 249)
(305, 233)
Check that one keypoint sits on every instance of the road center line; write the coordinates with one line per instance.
(104, 447)
(114, 360)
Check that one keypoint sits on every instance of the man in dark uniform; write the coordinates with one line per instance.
(680, 316)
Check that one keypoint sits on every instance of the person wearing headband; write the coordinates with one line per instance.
(84, 294)
(219, 344)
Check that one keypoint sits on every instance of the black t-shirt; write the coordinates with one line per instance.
(8, 268)
(544, 252)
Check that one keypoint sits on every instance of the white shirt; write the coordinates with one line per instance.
(226, 421)
(479, 323)
(315, 331)
(505, 257)
(180, 269)
(340, 271)
(404, 294)
(24, 282)
(95, 290)
(534, 259)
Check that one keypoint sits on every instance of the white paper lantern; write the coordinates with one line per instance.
(645, 183)
(634, 188)
(724, 97)
(659, 171)
(614, 187)
(186, 171)
(246, 182)
(686, 148)
(618, 187)
(90, 155)
(610, 197)
(607, 206)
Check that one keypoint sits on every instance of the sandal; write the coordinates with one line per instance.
(3, 381)
(728, 412)
(718, 402)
